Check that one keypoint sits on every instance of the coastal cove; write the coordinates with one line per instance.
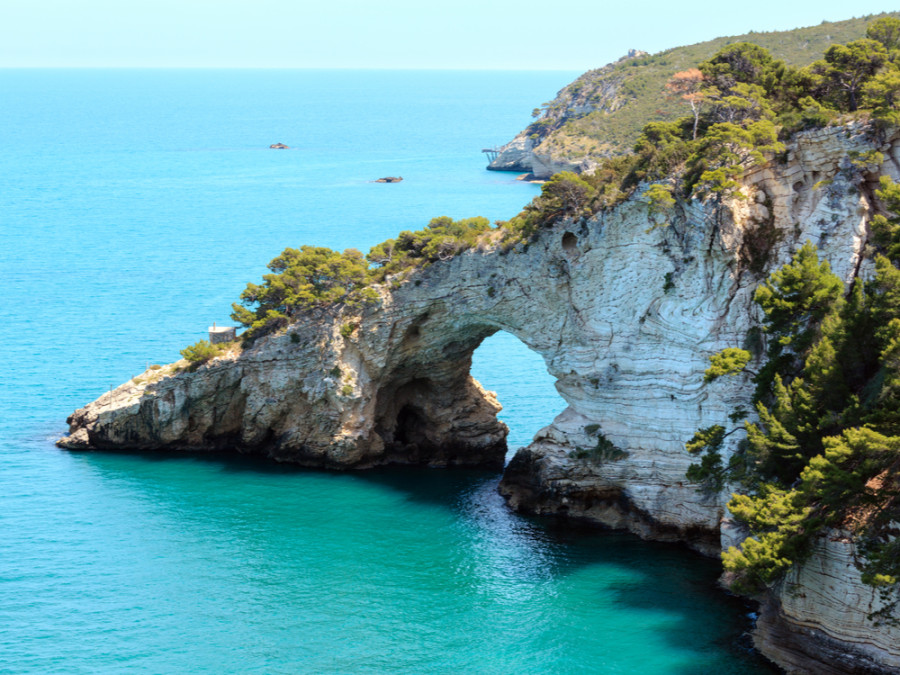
(131, 222)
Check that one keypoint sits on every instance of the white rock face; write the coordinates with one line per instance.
(542, 161)
(818, 620)
(624, 314)
(545, 162)
(635, 354)
(514, 156)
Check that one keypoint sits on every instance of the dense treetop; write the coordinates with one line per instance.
(318, 277)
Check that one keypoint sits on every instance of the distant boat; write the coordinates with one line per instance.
(279, 146)
(389, 179)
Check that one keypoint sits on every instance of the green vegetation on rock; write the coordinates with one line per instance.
(603, 112)
(203, 351)
(442, 239)
(302, 279)
(825, 451)
(729, 361)
(315, 277)
(603, 451)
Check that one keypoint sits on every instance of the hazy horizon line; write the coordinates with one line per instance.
(398, 68)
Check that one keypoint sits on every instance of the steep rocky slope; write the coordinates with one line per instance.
(602, 112)
(817, 618)
(625, 317)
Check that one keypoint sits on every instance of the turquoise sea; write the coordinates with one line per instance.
(134, 207)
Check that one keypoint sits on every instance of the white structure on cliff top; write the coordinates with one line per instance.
(222, 333)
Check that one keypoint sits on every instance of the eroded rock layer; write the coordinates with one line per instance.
(818, 621)
(625, 315)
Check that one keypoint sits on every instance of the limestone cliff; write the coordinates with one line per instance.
(625, 316)
(544, 149)
(311, 397)
(819, 616)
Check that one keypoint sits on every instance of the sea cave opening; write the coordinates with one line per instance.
(410, 426)
(518, 375)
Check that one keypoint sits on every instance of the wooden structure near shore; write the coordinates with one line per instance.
(492, 152)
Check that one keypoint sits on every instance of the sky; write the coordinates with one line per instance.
(462, 34)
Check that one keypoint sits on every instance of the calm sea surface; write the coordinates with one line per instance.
(134, 207)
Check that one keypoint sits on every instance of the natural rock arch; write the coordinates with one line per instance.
(428, 408)
(623, 313)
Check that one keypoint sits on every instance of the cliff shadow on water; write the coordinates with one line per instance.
(411, 536)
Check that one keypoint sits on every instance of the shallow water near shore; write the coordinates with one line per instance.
(134, 207)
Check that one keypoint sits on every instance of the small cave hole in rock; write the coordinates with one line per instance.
(412, 336)
(569, 242)
(519, 377)
(798, 186)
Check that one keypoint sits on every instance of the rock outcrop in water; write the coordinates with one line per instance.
(625, 316)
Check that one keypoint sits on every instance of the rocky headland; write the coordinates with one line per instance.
(625, 316)
(601, 113)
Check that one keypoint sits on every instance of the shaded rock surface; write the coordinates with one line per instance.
(817, 621)
(625, 317)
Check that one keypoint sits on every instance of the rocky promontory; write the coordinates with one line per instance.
(602, 112)
(625, 316)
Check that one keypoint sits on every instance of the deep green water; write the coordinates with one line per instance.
(134, 206)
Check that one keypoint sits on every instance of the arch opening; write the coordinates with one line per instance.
(504, 364)
(433, 411)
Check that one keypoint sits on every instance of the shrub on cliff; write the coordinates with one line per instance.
(565, 195)
(441, 239)
(304, 278)
(844, 71)
(201, 352)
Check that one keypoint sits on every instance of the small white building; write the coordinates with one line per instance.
(222, 334)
